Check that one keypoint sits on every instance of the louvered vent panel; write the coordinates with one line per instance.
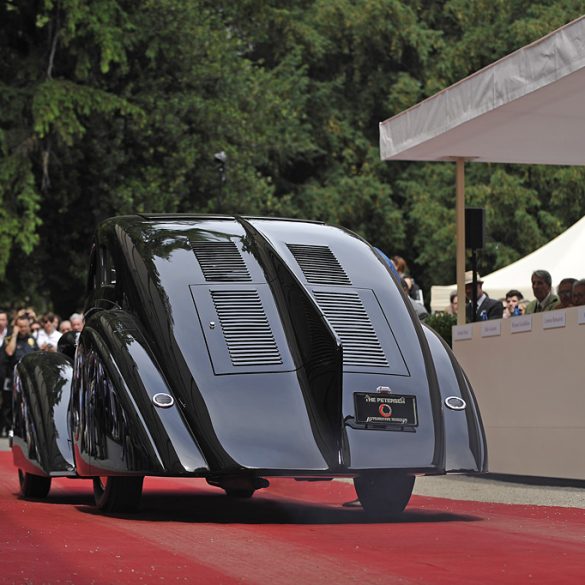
(351, 323)
(245, 327)
(319, 264)
(221, 262)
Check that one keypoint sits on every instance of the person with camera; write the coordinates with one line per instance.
(513, 308)
(18, 344)
(48, 336)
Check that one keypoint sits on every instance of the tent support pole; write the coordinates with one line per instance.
(460, 229)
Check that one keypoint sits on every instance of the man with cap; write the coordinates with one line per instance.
(486, 308)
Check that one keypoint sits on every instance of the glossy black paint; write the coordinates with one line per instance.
(261, 330)
(41, 443)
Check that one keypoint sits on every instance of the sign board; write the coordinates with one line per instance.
(521, 324)
(553, 319)
(462, 332)
(490, 328)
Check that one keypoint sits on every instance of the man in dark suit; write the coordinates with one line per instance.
(486, 308)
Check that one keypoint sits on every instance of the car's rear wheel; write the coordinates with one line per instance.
(242, 494)
(118, 493)
(384, 493)
(33, 486)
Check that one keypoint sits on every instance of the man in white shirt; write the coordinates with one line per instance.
(76, 322)
(48, 336)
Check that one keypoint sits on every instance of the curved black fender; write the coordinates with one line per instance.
(41, 443)
(117, 427)
(465, 443)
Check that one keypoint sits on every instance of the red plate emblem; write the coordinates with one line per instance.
(385, 410)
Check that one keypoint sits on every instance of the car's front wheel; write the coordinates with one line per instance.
(118, 493)
(384, 493)
(33, 486)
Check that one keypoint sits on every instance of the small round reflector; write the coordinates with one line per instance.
(163, 400)
(455, 403)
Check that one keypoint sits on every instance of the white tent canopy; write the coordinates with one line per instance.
(525, 108)
(563, 257)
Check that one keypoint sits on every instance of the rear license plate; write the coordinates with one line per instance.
(385, 409)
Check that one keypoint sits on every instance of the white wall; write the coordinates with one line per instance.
(530, 386)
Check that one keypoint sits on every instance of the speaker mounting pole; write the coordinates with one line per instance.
(460, 227)
(474, 241)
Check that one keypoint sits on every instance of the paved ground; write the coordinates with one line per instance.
(490, 489)
(290, 534)
(487, 489)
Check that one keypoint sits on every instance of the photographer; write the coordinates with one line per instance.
(48, 336)
(15, 347)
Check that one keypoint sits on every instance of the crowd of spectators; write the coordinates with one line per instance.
(21, 333)
(570, 292)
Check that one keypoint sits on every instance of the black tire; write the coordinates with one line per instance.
(241, 494)
(384, 494)
(118, 494)
(33, 486)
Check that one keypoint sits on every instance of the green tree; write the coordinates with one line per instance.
(114, 106)
(119, 107)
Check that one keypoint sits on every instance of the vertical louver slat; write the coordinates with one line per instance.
(245, 327)
(350, 321)
(221, 262)
(319, 264)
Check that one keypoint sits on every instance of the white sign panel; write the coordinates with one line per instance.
(553, 319)
(490, 328)
(581, 316)
(462, 332)
(521, 324)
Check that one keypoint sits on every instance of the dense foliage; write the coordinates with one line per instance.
(113, 106)
(443, 324)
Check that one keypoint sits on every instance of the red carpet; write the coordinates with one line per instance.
(293, 532)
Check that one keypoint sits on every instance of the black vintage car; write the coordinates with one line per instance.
(236, 349)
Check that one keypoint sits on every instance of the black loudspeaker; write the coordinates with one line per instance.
(474, 227)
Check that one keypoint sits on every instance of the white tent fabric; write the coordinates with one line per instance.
(525, 108)
(563, 257)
